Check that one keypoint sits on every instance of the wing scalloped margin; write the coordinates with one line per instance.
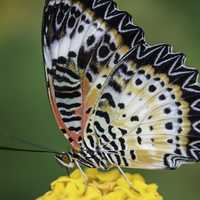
(107, 9)
(163, 59)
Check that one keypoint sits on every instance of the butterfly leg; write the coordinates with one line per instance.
(85, 178)
(67, 171)
(127, 179)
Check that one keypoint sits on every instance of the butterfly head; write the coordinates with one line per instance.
(65, 159)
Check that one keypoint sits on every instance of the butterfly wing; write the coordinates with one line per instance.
(148, 113)
(82, 42)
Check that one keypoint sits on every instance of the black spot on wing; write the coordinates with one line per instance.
(139, 139)
(105, 138)
(76, 118)
(91, 140)
(98, 126)
(135, 118)
(169, 126)
(60, 78)
(114, 145)
(69, 95)
(62, 60)
(132, 153)
(118, 159)
(121, 105)
(123, 131)
(72, 54)
(90, 40)
(103, 51)
(122, 143)
(115, 85)
(103, 115)
(109, 98)
(68, 106)
(65, 88)
(110, 131)
(67, 113)
(125, 161)
(76, 129)
(89, 130)
(67, 71)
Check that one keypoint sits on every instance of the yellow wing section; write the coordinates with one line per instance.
(144, 118)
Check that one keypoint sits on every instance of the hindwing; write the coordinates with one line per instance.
(148, 112)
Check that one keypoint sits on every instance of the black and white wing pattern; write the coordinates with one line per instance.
(82, 43)
(113, 95)
(148, 115)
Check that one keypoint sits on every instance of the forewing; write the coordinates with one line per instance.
(148, 113)
(82, 43)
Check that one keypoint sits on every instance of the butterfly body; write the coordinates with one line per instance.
(118, 100)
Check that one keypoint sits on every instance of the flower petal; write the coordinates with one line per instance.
(101, 186)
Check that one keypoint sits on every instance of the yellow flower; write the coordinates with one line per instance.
(101, 186)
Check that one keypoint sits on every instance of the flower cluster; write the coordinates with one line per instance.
(101, 186)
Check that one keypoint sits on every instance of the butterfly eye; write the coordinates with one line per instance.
(65, 159)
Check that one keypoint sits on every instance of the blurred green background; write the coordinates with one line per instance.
(24, 107)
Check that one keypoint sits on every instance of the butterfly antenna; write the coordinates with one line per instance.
(40, 148)
(25, 150)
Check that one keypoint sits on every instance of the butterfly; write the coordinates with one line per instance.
(118, 100)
